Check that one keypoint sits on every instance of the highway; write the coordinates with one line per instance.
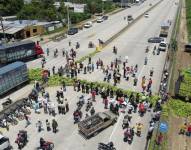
(131, 43)
(103, 31)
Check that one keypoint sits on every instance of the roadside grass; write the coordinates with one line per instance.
(56, 80)
(185, 86)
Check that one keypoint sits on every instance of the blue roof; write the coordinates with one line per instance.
(10, 67)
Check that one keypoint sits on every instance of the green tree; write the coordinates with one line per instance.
(10, 7)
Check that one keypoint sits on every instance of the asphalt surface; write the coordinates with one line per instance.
(67, 137)
(131, 43)
(103, 31)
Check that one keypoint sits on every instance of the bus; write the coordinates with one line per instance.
(19, 51)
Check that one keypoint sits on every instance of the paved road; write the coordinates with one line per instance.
(68, 138)
(133, 42)
(103, 31)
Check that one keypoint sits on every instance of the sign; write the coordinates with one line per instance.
(78, 8)
(163, 127)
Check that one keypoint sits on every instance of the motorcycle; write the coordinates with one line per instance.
(109, 146)
(128, 135)
(90, 45)
(47, 146)
(88, 106)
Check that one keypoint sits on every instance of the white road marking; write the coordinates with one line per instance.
(116, 125)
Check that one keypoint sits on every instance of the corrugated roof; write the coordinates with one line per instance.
(3, 46)
(10, 67)
(12, 30)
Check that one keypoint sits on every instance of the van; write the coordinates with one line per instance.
(72, 31)
(162, 46)
(4, 143)
(88, 24)
(187, 48)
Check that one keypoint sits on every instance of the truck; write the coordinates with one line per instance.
(19, 51)
(92, 125)
(12, 75)
(164, 29)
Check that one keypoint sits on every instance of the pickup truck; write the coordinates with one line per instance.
(92, 125)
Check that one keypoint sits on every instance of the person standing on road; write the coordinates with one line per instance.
(27, 120)
(92, 111)
(39, 126)
(66, 105)
(54, 125)
(48, 125)
(47, 51)
(93, 93)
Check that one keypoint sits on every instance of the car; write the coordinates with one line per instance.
(72, 31)
(4, 143)
(105, 17)
(187, 48)
(155, 40)
(88, 24)
(146, 15)
(162, 46)
(129, 17)
(100, 20)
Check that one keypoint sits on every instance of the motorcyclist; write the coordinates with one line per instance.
(42, 142)
(147, 49)
(77, 45)
(128, 134)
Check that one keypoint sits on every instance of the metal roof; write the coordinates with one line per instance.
(10, 67)
(14, 44)
(12, 30)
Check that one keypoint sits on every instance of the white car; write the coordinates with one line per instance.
(4, 143)
(100, 20)
(146, 15)
(162, 46)
(88, 24)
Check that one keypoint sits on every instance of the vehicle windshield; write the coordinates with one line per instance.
(162, 44)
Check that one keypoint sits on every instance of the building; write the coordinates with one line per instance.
(78, 8)
(21, 29)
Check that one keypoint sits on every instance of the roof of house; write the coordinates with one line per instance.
(10, 67)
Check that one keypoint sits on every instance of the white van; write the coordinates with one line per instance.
(162, 46)
(88, 24)
(4, 143)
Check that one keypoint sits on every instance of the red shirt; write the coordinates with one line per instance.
(189, 128)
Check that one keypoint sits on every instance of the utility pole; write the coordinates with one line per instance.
(68, 15)
(1, 19)
(103, 6)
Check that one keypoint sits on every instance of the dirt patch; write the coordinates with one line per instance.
(176, 141)
(183, 59)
